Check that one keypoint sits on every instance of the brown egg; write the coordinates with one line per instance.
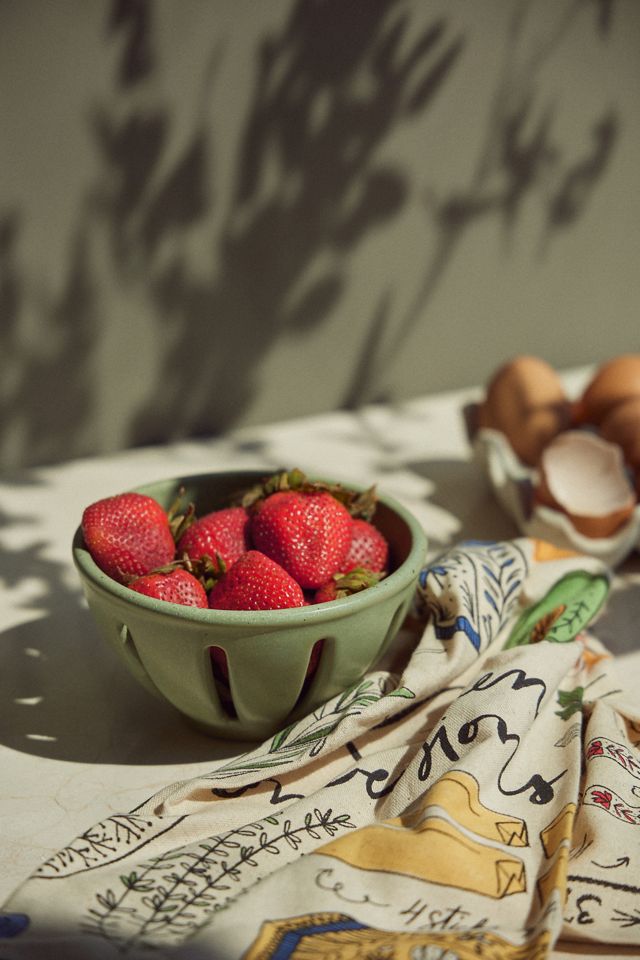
(526, 401)
(616, 380)
(622, 426)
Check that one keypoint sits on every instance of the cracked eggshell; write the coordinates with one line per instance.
(584, 477)
(513, 485)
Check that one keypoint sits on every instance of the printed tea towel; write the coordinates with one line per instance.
(481, 801)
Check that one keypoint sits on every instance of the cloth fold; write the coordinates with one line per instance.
(481, 800)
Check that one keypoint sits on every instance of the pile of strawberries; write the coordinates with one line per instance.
(287, 542)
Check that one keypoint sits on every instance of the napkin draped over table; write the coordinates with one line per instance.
(480, 800)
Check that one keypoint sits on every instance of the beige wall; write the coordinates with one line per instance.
(215, 213)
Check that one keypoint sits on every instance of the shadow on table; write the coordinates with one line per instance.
(65, 695)
(617, 625)
(461, 489)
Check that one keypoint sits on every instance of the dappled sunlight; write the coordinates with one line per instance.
(218, 247)
(64, 694)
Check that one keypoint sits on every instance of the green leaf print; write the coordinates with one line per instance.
(307, 737)
(280, 737)
(563, 612)
(571, 701)
(402, 692)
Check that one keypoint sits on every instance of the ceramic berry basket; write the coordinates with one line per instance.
(167, 646)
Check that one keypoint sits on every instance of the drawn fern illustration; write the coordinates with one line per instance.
(103, 842)
(308, 737)
(172, 896)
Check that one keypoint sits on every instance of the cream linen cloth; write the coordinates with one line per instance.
(481, 799)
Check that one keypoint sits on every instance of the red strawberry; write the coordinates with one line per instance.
(255, 582)
(128, 535)
(223, 532)
(327, 592)
(306, 532)
(178, 586)
(369, 548)
(345, 584)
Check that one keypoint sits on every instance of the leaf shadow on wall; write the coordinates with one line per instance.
(333, 85)
(306, 187)
(281, 248)
(519, 158)
(48, 403)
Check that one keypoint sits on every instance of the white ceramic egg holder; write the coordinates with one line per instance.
(513, 483)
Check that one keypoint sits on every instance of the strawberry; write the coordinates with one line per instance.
(222, 533)
(308, 532)
(345, 584)
(128, 535)
(369, 548)
(255, 582)
(178, 586)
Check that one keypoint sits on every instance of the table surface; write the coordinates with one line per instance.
(79, 738)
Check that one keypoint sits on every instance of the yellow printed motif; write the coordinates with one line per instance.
(556, 842)
(461, 854)
(437, 852)
(559, 830)
(544, 552)
(458, 793)
(334, 936)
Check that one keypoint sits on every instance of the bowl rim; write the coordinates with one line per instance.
(392, 583)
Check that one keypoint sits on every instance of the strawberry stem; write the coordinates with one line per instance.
(180, 520)
(360, 578)
(204, 568)
(361, 505)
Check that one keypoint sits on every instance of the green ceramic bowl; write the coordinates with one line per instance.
(167, 646)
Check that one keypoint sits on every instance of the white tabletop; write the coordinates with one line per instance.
(79, 739)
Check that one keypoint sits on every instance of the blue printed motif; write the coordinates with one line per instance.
(11, 924)
(459, 625)
(291, 939)
(474, 591)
